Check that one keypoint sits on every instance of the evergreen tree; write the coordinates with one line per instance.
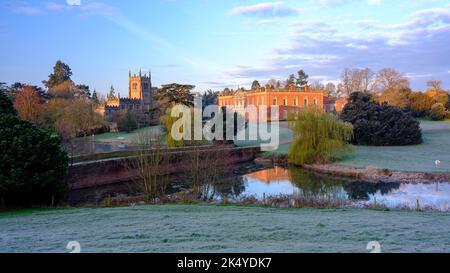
(302, 79)
(32, 164)
(61, 73)
(112, 92)
(290, 81)
(255, 85)
(380, 124)
(94, 97)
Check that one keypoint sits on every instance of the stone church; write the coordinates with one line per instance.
(140, 98)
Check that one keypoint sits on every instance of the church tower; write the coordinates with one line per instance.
(140, 88)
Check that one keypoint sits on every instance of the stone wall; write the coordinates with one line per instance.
(112, 171)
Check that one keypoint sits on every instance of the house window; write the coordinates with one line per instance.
(275, 101)
(296, 101)
(315, 101)
(305, 102)
(285, 101)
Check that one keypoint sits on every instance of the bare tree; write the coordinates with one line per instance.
(317, 86)
(389, 78)
(150, 163)
(435, 84)
(333, 91)
(28, 103)
(357, 80)
(330, 89)
(206, 168)
(346, 82)
(367, 79)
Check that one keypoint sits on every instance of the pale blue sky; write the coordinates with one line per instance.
(219, 43)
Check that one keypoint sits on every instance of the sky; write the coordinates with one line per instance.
(222, 43)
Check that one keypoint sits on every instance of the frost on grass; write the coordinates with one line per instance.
(197, 228)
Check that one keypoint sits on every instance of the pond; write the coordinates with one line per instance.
(293, 181)
(263, 181)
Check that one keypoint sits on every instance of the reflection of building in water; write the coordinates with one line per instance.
(270, 175)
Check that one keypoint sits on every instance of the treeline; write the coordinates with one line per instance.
(386, 86)
(64, 106)
(32, 164)
(393, 87)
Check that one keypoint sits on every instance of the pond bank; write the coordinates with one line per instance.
(373, 175)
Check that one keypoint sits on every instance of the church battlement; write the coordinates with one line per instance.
(139, 97)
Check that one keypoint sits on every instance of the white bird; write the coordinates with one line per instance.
(437, 163)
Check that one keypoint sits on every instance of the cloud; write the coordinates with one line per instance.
(418, 47)
(342, 2)
(55, 6)
(268, 9)
(95, 8)
(313, 27)
(27, 10)
(84, 9)
(374, 2)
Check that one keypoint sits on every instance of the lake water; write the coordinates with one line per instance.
(294, 181)
(257, 181)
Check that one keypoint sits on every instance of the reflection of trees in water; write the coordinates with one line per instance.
(313, 185)
(362, 190)
(231, 186)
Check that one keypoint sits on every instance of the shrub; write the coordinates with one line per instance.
(127, 122)
(420, 104)
(6, 107)
(320, 137)
(438, 112)
(380, 124)
(31, 163)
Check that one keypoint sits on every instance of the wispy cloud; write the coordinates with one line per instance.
(54, 6)
(341, 2)
(84, 9)
(268, 9)
(27, 10)
(417, 47)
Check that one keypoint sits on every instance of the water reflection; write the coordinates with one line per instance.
(295, 181)
(435, 196)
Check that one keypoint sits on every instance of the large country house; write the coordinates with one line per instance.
(290, 99)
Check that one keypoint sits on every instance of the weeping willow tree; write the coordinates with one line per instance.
(167, 120)
(320, 137)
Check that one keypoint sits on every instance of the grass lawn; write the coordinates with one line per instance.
(286, 137)
(203, 228)
(125, 137)
(436, 146)
(421, 157)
